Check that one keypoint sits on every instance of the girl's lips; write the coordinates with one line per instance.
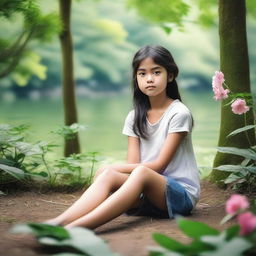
(150, 87)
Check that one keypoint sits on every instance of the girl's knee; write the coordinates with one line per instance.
(108, 173)
(141, 172)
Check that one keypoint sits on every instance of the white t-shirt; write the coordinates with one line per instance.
(182, 167)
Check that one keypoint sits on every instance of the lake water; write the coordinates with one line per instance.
(104, 118)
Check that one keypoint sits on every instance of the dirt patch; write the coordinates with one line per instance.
(128, 236)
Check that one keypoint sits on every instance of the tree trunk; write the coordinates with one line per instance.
(234, 63)
(71, 145)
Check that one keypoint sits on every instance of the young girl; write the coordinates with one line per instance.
(160, 178)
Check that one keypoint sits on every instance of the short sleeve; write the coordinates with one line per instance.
(180, 122)
(128, 125)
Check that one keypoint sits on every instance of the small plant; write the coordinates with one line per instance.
(26, 162)
(236, 240)
(241, 176)
(18, 158)
(73, 242)
(93, 159)
(69, 132)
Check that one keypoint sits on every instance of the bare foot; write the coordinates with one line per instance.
(52, 222)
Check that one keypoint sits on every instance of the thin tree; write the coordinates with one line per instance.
(234, 63)
(70, 111)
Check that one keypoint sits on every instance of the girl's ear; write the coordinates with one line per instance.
(170, 77)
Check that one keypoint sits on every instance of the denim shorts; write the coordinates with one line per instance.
(177, 200)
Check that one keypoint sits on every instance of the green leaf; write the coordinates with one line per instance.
(160, 251)
(232, 178)
(82, 239)
(42, 174)
(15, 172)
(64, 171)
(7, 162)
(198, 246)
(234, 247)
(28, 149)
(196, 229)
(167, 29)
(167, 242)
(247, 153)
(42, 230)
(232, 232)
(248, 127)
(236, 168)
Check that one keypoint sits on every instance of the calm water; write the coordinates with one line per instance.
(104, 119)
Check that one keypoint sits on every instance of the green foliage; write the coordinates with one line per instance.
(207, 12)
(70, 168)
(29, 64)
(76, 241)
(69, 132)
(206, 241)
(27, 163)
(35, 26)
(196, 229)
(243, 129)
(241, 176)
(13, 151)
(251, 8)
(161, 12)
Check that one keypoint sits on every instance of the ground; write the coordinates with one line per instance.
(128, 236)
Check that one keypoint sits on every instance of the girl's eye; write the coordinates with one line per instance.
(141, 73)
(157, 72)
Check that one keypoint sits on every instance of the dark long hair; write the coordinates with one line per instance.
(160, 56)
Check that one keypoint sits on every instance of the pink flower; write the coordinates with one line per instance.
(217, 81)
(247, 222)
(220, 93)
(236, 202)
(239, 107)
(218, 78)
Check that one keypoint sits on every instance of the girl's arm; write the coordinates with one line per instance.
(167, 152)
(133, 152)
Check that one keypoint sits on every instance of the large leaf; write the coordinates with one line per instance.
(236, 168)
(234, 247)
(248, 127)
(167, 242)
(9, 139)
(234, 178)
(42, 230)
(247, 153)
(83, 240)
(8, 162)
(13, 171)
(28, 149)
(232, 231)
(160, 251)
(196, 229)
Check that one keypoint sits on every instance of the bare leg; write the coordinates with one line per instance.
(142, 179)
(105, 183)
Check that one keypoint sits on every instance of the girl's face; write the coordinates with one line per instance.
(152, 78)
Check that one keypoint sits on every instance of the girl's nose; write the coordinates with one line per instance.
(149, 78)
